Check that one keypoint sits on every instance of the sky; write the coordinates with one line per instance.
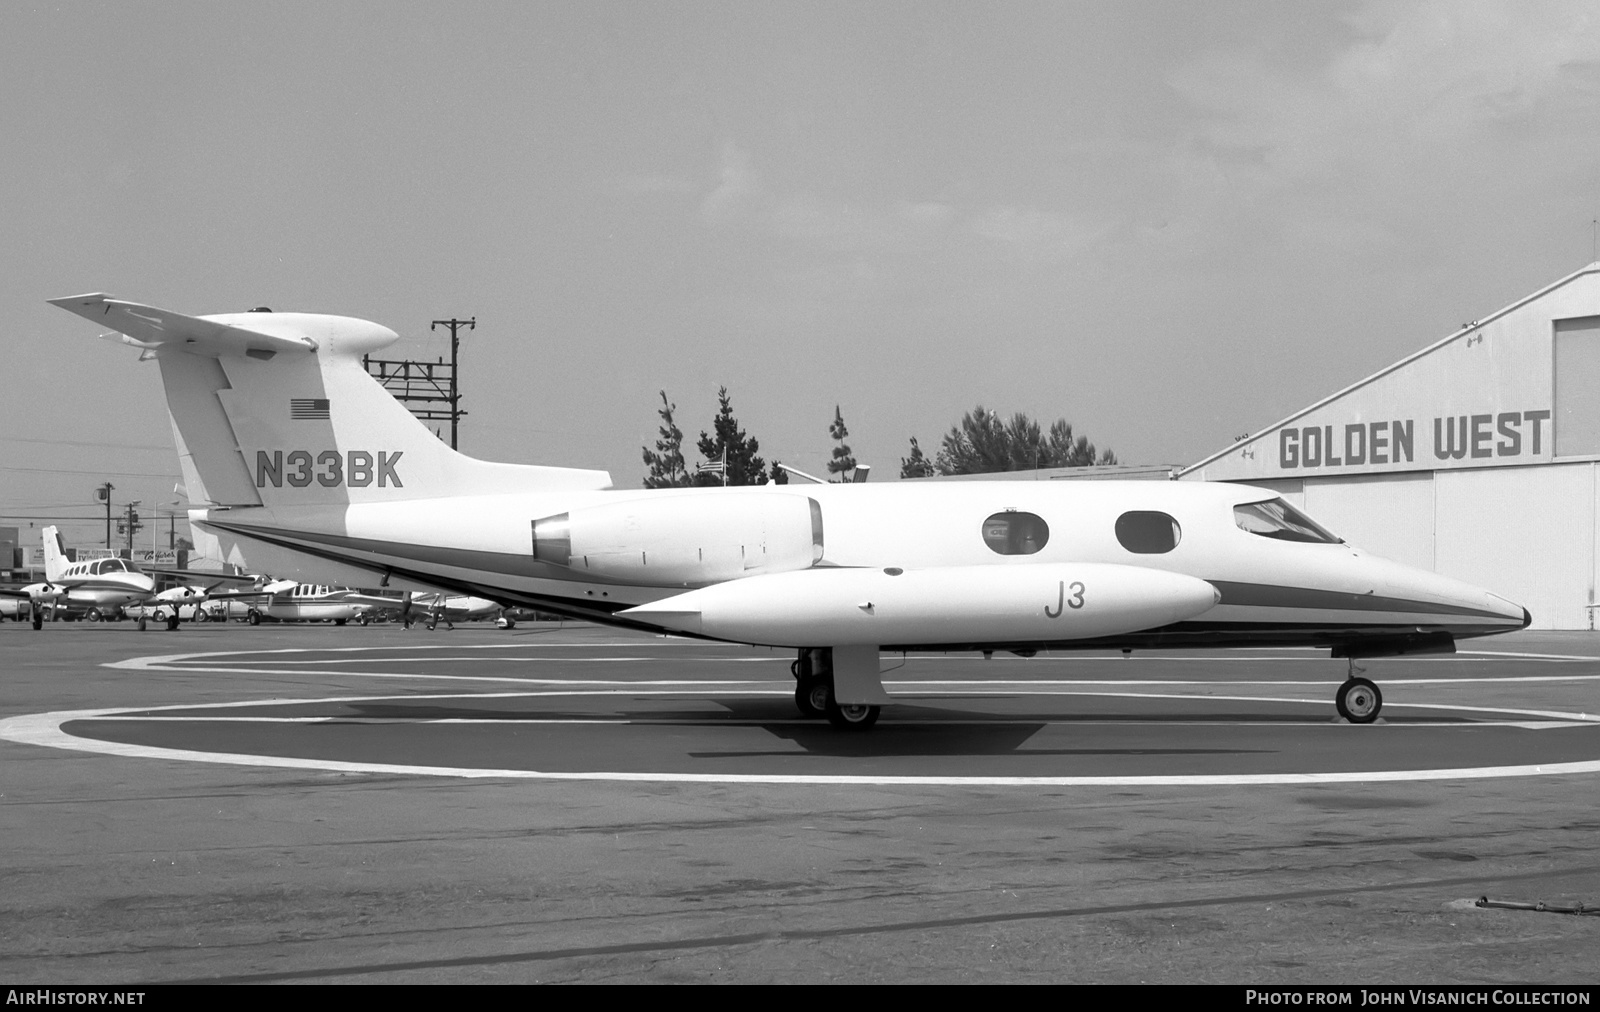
(1169, 223)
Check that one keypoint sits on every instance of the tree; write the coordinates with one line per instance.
(842, 462)
(917, 465)
(984, 443)
(666, 464)
(730, 444)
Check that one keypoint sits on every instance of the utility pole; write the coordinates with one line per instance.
(103, 493)
(455, 343)
(422, 385)
(131, 523)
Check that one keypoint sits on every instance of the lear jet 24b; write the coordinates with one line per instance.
(300, 463)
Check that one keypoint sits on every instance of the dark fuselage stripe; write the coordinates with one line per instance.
(1259, 595)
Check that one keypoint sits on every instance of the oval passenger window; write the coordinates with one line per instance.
(1147, 532)
(1013, 533)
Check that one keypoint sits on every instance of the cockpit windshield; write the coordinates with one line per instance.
(1277, 519)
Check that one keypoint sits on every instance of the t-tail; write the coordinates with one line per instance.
(277, 410)
(55, 554)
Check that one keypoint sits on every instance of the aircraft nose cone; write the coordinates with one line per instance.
(1527, 618)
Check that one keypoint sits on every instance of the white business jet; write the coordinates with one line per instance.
(300, 463)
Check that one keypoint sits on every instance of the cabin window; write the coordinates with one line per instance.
(1148, 532)
(1277, 519)
(1013, 533)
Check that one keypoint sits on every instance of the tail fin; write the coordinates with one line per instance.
(276, 409)
(55, 554)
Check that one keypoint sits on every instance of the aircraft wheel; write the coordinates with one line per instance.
(852, 717)
(813, 696)
(142, 623)
(254, 618)
(94, 615)
(38, 618)
(338, 621)
(172, 622)
(361, 620)
(1358, 701)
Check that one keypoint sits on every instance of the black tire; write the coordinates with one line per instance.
(852, 717)
(1358, 701)
(812, 696)
(254, 618)
(38, 618)
(201, 615)
(94, 615)
(172, 622)
(142, 623)
(338, 621)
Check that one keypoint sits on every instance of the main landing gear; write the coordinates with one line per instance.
(1358, 700)
(813, 692)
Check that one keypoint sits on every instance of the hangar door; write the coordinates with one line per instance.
(1577, 385)
(1525, 533)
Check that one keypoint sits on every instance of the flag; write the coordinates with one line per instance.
(715, 466)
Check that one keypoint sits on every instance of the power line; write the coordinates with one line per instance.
(98, 470)
(164, 448)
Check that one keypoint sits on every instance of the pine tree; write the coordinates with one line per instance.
(743, 466)
(842, 462)
(917, 465)
(984, 443)
(666, 464)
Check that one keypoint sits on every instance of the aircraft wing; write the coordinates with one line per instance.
(379, 601)
(148, 327)
(210, 576)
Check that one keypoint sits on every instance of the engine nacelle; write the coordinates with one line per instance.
(687, 540)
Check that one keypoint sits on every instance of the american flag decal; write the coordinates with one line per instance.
(307, 408)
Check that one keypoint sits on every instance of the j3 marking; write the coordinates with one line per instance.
(1062, 600)
(329, 468)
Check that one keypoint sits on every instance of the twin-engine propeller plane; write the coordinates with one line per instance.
(300, 463)
(97, 589)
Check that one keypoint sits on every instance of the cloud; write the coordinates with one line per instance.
(1424, 111)
(737, 186)
(1033, 230)
(644, 184)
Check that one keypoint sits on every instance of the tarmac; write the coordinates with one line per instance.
(306, 803)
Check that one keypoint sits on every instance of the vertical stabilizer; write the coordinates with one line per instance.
(276, 409)
(55, 554)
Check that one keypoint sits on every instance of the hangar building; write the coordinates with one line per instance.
(1477, 457)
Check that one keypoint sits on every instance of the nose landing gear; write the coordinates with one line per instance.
(1358, 700)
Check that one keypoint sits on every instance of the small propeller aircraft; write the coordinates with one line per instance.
(98, 589)
(291, 601)
(431, 609)
(301, 463)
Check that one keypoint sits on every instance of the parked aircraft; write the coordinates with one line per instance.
(97, 589)
(300, 462)
(432, 609)
(289, 601)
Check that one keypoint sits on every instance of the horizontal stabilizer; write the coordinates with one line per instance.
(150, 327)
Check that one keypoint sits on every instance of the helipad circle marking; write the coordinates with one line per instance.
(45, 729)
